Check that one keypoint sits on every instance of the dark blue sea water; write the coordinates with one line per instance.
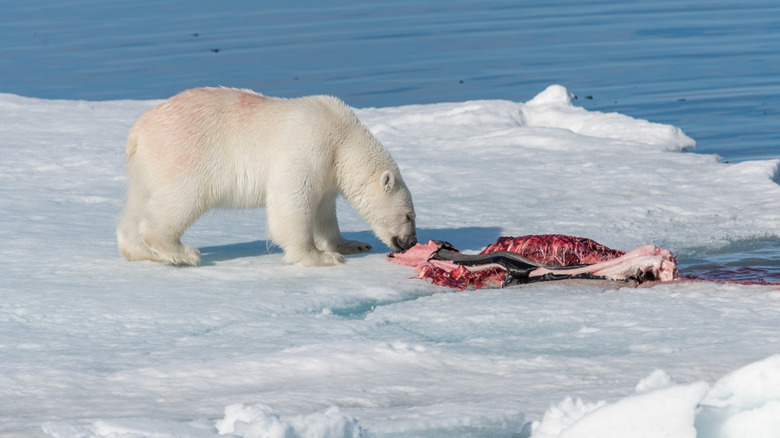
(711, 67)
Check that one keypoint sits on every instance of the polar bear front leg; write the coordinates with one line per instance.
(327, 235)
(353, 247)
(291, 226)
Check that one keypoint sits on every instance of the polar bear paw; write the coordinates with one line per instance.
(353, 247)
(316, 257)
(184, 256)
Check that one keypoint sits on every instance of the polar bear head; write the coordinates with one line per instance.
(392, 215)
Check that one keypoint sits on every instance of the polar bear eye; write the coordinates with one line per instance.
(409, 218)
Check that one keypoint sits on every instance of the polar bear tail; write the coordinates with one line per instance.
(131, 145)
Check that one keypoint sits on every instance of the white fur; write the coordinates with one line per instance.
(225, 148)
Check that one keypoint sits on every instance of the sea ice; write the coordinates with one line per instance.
(93, 345)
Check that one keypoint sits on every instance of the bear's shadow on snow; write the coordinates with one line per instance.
(466, 238)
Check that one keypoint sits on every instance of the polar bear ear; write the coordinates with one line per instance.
(387, 181)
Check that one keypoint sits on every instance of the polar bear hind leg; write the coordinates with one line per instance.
(162, 224)
(166, 245)
(128, 233)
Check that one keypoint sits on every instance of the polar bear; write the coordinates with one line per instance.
(211, 148)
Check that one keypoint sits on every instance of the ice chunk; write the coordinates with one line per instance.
(666, 412)
(745, 402)
(561, 416)
(552, 108)
(658, 379)
(260, 421)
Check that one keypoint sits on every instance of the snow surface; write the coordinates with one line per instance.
(92, 345)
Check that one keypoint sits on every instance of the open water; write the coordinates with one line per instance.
(711, 67)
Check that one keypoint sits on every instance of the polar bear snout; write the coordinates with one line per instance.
(403, 243)
(403, 233)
